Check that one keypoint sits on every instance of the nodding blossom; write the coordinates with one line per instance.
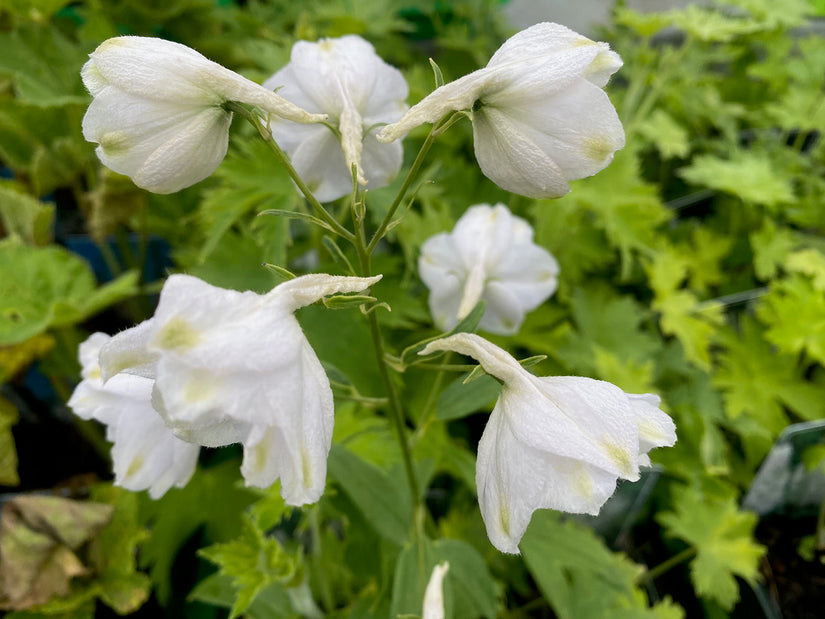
(158, 113)
(235, 367)
(490, 256)
(558, 442)
(345, 79)
(540, 116)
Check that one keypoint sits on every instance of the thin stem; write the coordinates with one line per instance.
(437, 130)
(396, 411)
(654, 572)
(273, 145)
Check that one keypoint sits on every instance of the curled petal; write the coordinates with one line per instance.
(434, 593)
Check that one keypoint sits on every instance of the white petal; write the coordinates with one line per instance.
(320, 162)
(127, 352)
(89, 355)
(543, 39)
(510, 157)
(381, 162)
(514, 479)
(656, 428)
(434, 593)
(162, 146)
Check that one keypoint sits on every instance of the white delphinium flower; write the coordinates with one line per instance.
(558, 442)
(540, 116)
(236, 367)
(347, 80)
(489, 255)
(158, 113)
(145, 453)
(434, 594)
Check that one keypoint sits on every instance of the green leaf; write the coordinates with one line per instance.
(253, 561)
(271, 603)
(771, 245)
(50, 287)
(759, 383)
(44, 66)
(386, 507)
(180, 512)
(751, 176)
(794, 311)
(459, 400)
(667, 135)
(579, 576)
(25, 217)
(723, 538)
(8, 453)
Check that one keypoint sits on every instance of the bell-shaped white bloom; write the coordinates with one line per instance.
(347, 80)
(145, 453)
(540, 116)
(236, 367)
(434, 594)
(489, 255)
(558, 442)
(158, 112)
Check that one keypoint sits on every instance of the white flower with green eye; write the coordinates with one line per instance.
(490, 256)
(540, 116)
(235, 367)
(146, 455)
(158, 113)
(345, 79)
(557, 442)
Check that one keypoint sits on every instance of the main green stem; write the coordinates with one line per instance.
(266, 135)
(396, 411)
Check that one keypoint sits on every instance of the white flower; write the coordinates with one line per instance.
(347, 80)
(236, 367)
(158, 111)
(434, 594)
(489, 255)
(540, 116)
(146, 455)
(558, 442)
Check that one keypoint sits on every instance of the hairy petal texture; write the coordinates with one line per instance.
(157, 114)
(345, 79)
(235, 367)
(490, 256)
(540, 118)
(146, 455)
(559, 442)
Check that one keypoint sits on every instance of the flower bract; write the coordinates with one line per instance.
(345, 79)
(158, 112)
(145, 453)
(236, 367)
(559, 442)
(490, 256)
(540, 116)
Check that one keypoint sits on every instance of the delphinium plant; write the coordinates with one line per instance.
(214, 367)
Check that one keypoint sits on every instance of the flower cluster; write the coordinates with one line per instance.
(214, 367)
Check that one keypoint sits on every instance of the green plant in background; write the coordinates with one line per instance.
(691, 267)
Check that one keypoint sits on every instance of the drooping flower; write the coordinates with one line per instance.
(145, 453)
(236, 367)
(540, 116)
(489, 255)
(434, 594)
(158, 112)
(559, 442)
(347, 80)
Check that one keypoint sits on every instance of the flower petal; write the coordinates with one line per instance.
(127, 352)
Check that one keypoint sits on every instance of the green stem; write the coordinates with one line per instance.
(396, 411)
(437, 130)
(318, 560)
(266, 134)
(654, 572)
